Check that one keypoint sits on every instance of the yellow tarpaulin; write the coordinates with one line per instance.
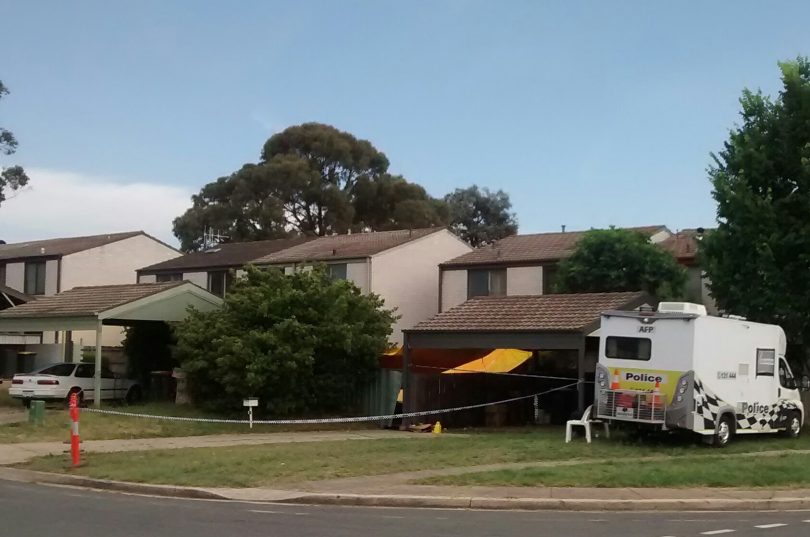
(498, 361)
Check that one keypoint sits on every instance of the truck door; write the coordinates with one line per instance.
(787, 382)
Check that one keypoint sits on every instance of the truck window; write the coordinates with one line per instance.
(628, 348)
(766, 362)
(785, 376)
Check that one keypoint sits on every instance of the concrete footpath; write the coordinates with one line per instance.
(21, 452)
(398, 490)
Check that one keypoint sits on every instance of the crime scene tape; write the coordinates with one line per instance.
(314, 421)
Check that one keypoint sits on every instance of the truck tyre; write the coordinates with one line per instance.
(793, 426)
(724, 431)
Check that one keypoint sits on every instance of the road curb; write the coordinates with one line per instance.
(403, 501)
(552, 504)
(31, 476)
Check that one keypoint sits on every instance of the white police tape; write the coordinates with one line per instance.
(315, 421)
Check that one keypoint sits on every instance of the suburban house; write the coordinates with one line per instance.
(684, 246)
(216, 267)
(47, 267)
(516, 265)
(400, 266)
(498, 313)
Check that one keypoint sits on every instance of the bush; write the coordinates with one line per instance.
(608, 260)
(301, 343)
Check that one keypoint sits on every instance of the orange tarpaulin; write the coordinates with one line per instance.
(457, 360)
(498, 361)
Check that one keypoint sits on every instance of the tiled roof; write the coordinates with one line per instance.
(552, 313)
(538, 247)
(86, 300)
(355, 245)
(683, 244)
(233, 254)
(57, 247)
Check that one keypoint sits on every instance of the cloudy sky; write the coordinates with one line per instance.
(587, 113)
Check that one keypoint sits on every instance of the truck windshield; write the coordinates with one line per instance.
(628, 348)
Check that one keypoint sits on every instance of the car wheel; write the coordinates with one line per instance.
(724, 431)
(794, 425)
(79, 396)
(134, 395)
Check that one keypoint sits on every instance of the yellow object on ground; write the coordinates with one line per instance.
(498, 361)
(437, 429)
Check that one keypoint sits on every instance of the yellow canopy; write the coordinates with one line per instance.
(497, 361)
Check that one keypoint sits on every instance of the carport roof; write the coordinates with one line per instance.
(83, 308)
(86, 300)
(530, 313)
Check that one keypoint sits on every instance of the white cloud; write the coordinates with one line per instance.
(65, 204)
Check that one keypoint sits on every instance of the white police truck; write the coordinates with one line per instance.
(679, 368)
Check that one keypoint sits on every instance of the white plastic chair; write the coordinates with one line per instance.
(585, 422)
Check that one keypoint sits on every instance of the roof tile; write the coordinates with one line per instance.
(538, 247)
(553, 313)
(63, 246)
(351, 246)
(86, 300)
(232, 254)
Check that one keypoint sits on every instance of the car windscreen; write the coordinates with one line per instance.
(60, 370)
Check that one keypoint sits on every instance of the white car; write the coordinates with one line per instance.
(57, 381)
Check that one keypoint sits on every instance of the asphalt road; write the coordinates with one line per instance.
(38, 510)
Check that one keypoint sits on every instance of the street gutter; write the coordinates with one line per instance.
(411, 501)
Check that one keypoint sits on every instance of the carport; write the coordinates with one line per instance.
(533, 323)
(91, 308)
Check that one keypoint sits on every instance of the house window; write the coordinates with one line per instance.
(337, 271)
(2, 274)
(549, 277)
(170, 277)
(219, 281)
(486, 282)
(35, 278)
(628, 348)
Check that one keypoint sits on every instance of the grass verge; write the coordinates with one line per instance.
(56, 426)
(786, 470)
(270, 465)
(5, 399)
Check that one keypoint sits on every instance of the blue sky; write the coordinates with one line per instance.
(587, 113)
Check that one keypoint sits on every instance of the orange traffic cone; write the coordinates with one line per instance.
(657, 394)
(614, 383)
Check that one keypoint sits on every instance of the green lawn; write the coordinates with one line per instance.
(787, 470)
(5, 400)
(56, 426)
(271, 465)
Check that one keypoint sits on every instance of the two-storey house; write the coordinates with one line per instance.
(215, 268)
(400, 266)
(516, 265)
(47, 267)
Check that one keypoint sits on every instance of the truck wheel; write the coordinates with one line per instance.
(794, 425)
(724, 431)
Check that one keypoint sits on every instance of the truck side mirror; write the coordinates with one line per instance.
(805, 384)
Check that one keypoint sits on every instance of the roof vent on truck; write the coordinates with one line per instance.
(682, 307)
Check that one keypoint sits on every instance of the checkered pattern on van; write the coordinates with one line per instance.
(707, 408)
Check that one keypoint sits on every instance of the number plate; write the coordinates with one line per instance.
(625, 412)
